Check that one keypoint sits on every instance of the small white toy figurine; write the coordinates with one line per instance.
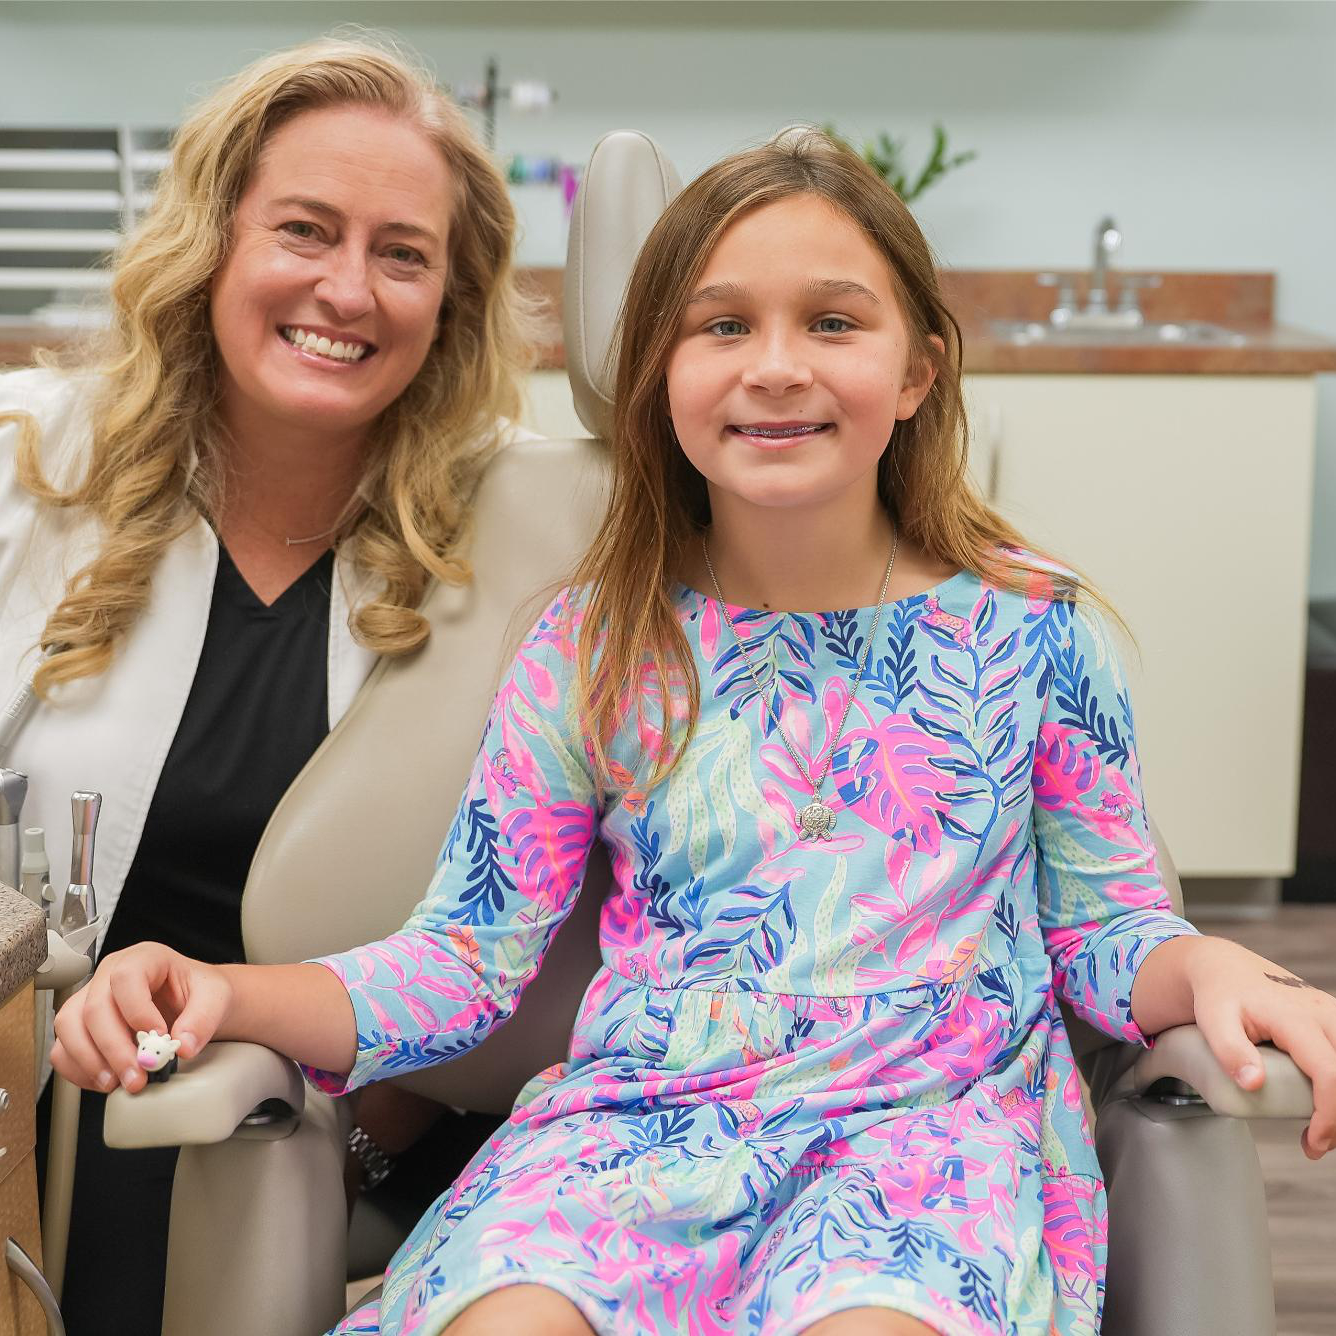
(157, 1054)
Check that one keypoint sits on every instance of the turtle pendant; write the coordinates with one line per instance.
(816, 821)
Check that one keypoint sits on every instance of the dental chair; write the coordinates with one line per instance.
(258, 1227)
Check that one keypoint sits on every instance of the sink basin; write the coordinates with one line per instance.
(1183, 333)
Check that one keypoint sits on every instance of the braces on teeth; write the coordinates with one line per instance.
(317, 343)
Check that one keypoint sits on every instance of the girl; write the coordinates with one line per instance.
(865, 770)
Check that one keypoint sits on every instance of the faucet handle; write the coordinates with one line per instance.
(1065, 301)
(1128, 287)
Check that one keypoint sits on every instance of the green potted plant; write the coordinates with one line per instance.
(886, 157)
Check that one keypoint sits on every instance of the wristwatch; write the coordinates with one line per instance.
(376, 1164)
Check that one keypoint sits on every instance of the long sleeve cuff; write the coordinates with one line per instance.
(1094, 966)
(416, 1003)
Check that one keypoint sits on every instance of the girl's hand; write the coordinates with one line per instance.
(1241, 999)
(144, 987)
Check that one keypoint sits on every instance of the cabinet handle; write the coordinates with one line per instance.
(30, 1274)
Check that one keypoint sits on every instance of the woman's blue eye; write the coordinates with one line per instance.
(827, 320)
(728, 328)
(295, 229)
(405, 255)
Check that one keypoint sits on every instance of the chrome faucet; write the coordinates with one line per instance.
(1097, 314)
(1107, 241)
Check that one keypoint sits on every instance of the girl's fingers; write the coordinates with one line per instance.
(126, 1007)
(95, 1034)
(1307, 1043)
(1232, 1048)
(207, 997)
(74, 1055)
(72, 1071)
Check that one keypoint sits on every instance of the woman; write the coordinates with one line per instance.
(209, 535)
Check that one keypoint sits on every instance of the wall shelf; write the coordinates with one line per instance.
(67, 194)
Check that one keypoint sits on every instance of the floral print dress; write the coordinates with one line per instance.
(811, 1074)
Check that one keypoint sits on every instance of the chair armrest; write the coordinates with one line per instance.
(205, 1101)
(1182, 1053)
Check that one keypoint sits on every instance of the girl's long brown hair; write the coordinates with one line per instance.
(632, 645)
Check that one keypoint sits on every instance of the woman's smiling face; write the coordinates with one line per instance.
(792, 362)
(329, 299)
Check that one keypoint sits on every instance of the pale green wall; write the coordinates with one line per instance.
(1208, 129)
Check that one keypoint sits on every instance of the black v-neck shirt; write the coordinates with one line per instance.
(258, 708)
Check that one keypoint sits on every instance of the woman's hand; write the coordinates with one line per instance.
(144, 987)
(1242, 999)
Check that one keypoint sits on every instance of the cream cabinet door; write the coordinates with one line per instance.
(1186, 499)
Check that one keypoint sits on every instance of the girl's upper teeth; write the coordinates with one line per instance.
(343, 351)
(782, 431)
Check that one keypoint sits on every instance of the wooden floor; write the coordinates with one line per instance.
(1301, 1194)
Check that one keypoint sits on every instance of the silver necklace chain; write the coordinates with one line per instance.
(296, 542)
(816, 820)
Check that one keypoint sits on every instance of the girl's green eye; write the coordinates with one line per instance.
(728, 328)
(823, 325)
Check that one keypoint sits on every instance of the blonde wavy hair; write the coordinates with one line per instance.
(632, 646)
(159, 452)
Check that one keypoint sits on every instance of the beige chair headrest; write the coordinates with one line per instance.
(626, 186)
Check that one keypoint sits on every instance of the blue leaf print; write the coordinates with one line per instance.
(840, 632)
(1046, 634)
(670, 1130)
(891, 677)
(487, 882)
(975, 1292)
(1073, 694)
(740, 687)
(908, 1247)
(986, 619)
(1004, 915)
(765, 945)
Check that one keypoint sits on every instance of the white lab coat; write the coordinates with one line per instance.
(111, 733)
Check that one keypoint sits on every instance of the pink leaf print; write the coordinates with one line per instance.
(885, 773)
(709, 629)
(1069, 1235)
(543, 683)
(833, 700)
(1066, 767)
(777, 760)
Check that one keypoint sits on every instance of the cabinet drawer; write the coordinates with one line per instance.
(18, 1118)
(20, 1313)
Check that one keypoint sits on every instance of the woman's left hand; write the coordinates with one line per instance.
(1242, 999)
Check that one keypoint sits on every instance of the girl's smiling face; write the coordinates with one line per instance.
(792, 362)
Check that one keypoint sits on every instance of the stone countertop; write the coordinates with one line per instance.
(22, 941)
(1243, 302)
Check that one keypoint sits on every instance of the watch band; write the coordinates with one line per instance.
(376, 1164)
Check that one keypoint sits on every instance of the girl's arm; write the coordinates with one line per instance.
(511, 868)
(1103, 907)
(1121, 958)
(299, 1010)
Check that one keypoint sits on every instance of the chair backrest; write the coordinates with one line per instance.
(352, 845)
